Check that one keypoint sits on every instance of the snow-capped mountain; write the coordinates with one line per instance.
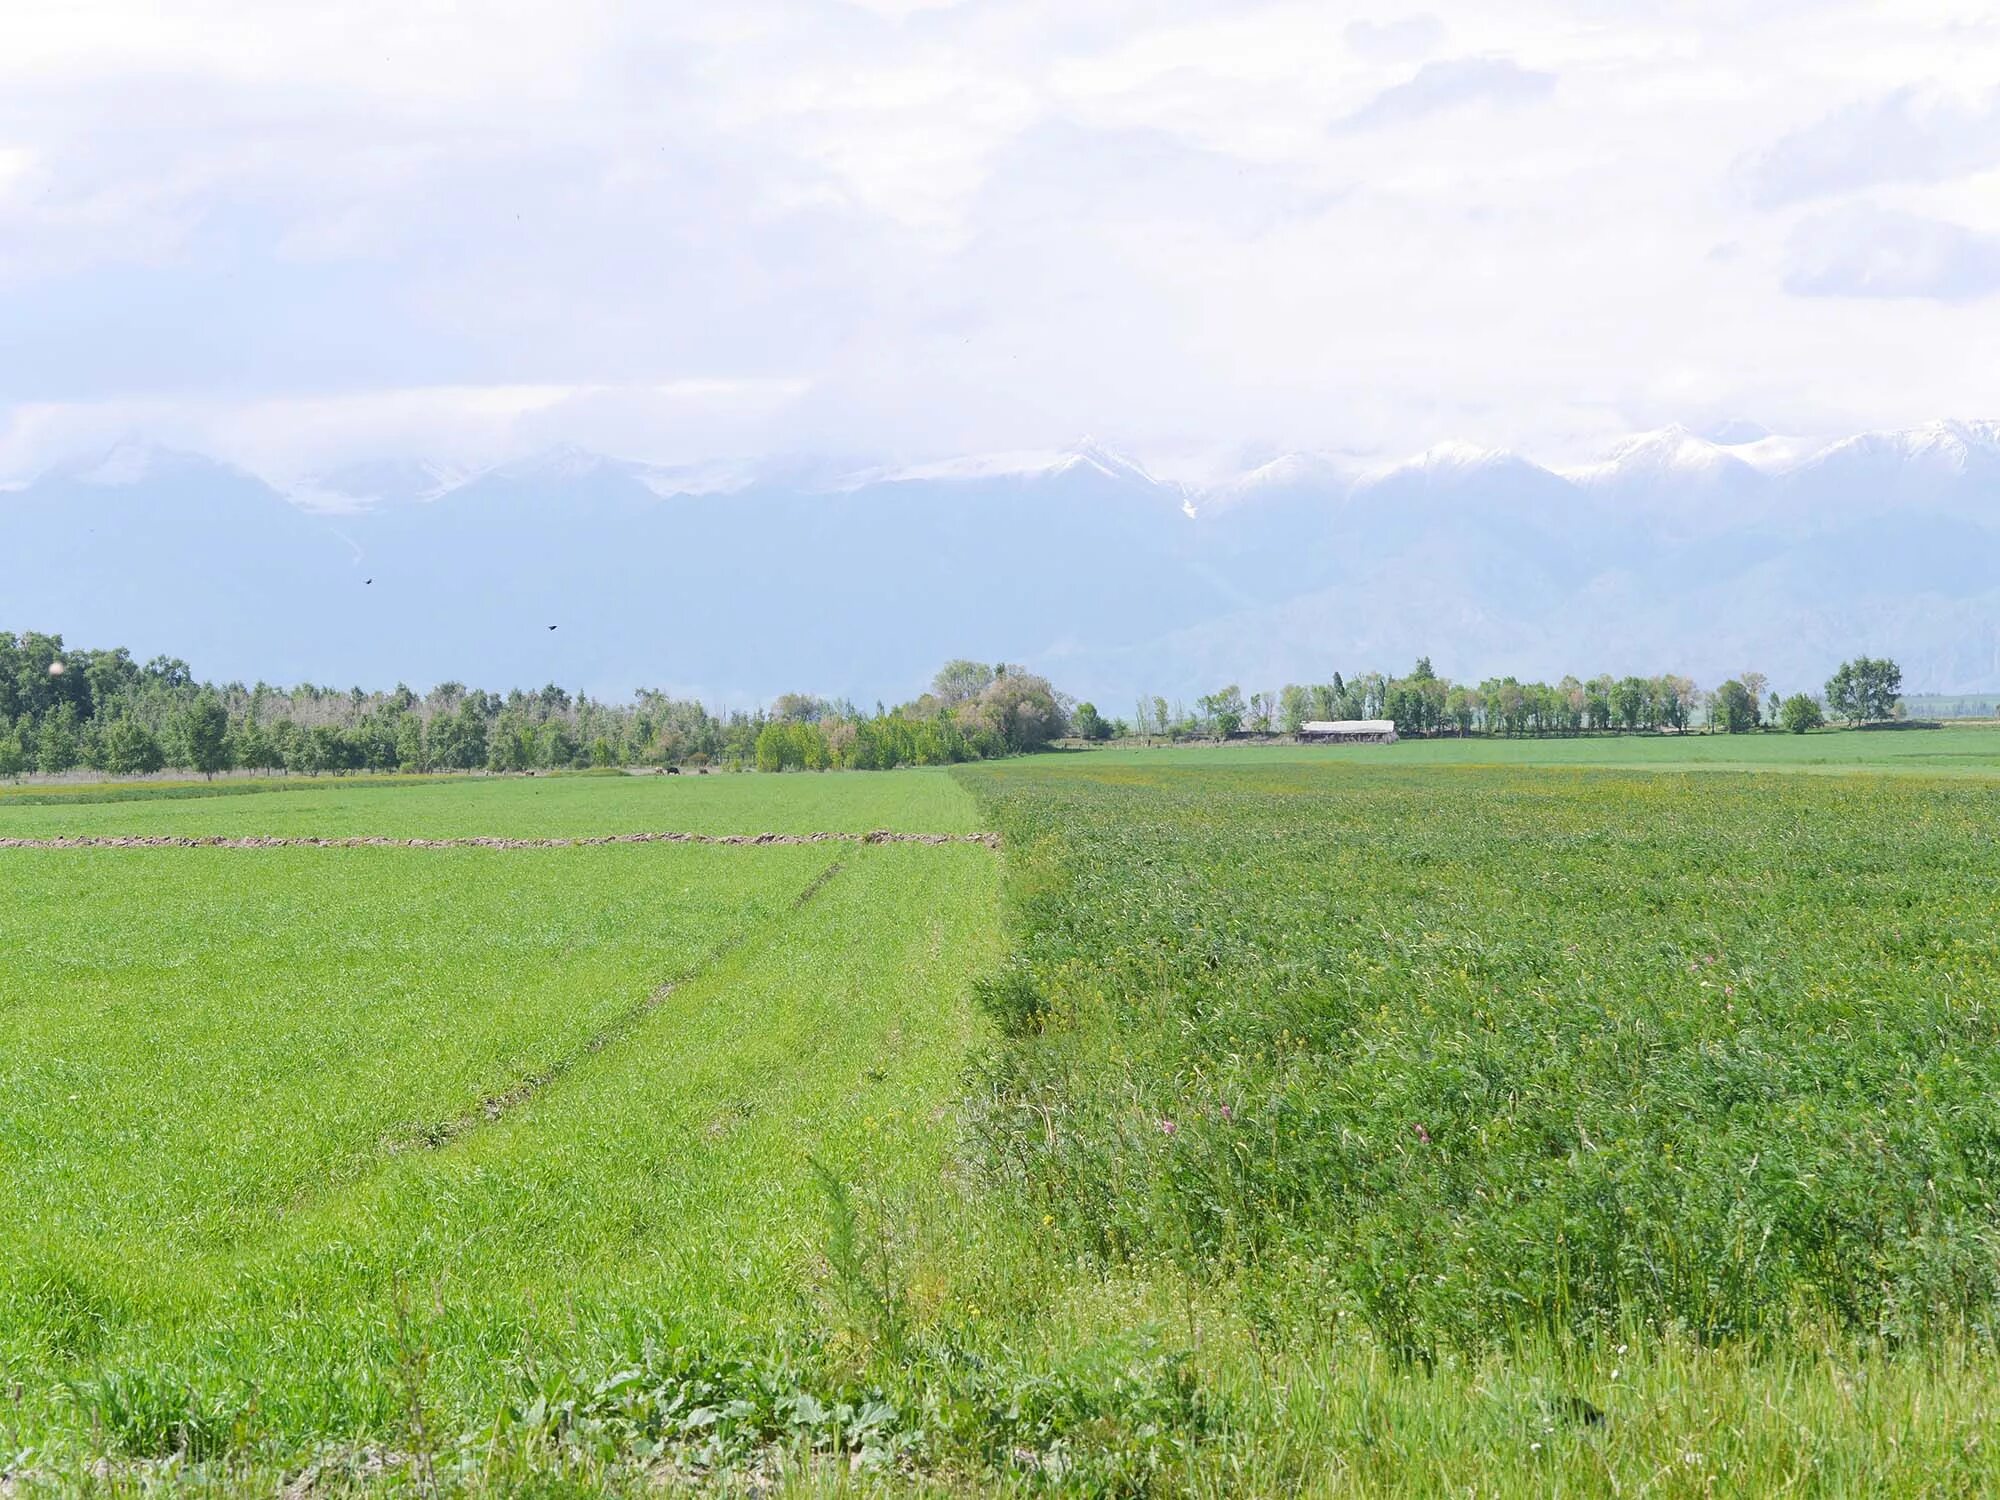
(1949, 466)
(1087, 457)
(1670, 456)
(1706, 553)
(368, 483)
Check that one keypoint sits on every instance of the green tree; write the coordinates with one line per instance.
(130, 748)
(1632, 703)
(791, 745)
(1461, 707)
(1017, 709)
(1406, 706)
(410, 743)
(317, 750)
(58, 743)
(251, 748)
(1597, 709)
(1733, 709)
(1294, 707)
(201, 732)
(1865, 690)
(1754, 683)
(1224, 711)
(1799, 713)
(1087, 723)
(458, 740)
(1675, 698)
(957, 681)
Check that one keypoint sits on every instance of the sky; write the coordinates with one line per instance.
(894, 231)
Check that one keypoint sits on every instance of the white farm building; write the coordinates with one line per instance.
(1348, 732)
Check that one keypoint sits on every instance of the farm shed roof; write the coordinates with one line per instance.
(1348, 726)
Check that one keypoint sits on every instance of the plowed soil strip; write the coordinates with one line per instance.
(258, 841)
(442, 1133)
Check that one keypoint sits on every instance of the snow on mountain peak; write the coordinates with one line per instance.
(1671, 452)
(1940, 447)
(1954, 442)
(132, 461)
(372, 482)
(562, 461)
(1031, 463)
(1294, 469)
(1450, 459)
(1091, 454)
(1453, 454)
(1737, 432)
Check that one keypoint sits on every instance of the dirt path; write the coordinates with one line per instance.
(255, 841)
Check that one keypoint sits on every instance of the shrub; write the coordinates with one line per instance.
(1800, 713)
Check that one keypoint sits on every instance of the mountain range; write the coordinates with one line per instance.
(1707, 555)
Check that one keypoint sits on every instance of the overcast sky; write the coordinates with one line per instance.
(1200, 231)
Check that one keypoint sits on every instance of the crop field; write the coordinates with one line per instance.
(1251, 1122)
(511, 807)
(305, 1147)
(1950, 751)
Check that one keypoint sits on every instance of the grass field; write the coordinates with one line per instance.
(371, 1148)
(1956, 750)
(1260, 1121)
(517, 807)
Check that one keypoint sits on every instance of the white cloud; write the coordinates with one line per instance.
(288, 437)
(1398, 39)
(895, 229)
(1908, 135)
(1864, 251)
(1447, 85)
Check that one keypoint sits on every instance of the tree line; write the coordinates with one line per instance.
(64, 709)
(1421, 703)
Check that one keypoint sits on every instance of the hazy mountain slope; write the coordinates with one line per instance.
(171, 553)
(1674, 552)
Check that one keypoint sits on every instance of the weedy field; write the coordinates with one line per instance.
(1267, 1122)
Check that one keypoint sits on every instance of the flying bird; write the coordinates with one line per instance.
(552, 627)
(367, 581)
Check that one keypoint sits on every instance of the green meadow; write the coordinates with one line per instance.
(560, 806)
(1942, 751)
(1562, 1117)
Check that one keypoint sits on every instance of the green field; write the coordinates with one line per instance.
(1941, 752)
(1464, 1117)
(516, 807)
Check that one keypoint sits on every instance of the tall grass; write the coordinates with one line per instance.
(1475, 1055)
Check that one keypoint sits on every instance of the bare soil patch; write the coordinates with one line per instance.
(260, 841)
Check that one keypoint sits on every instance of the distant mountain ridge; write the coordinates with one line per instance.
(1675, 550)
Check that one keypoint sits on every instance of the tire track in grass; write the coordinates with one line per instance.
(494, 1107)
